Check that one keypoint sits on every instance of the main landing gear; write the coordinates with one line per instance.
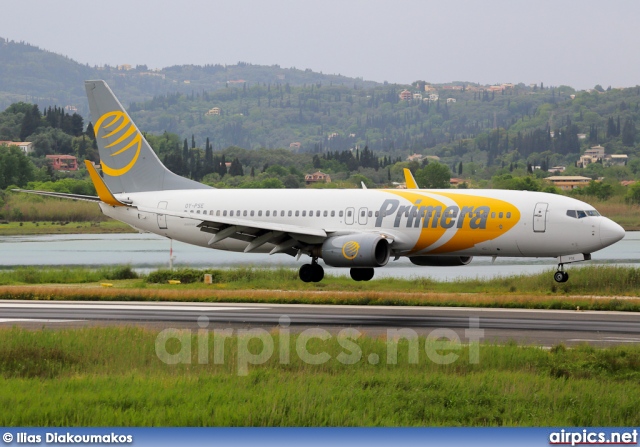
(361, 274)
(561, 275)
(311, 272)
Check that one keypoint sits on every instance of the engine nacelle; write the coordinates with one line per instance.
(440, 261)
(356, 250)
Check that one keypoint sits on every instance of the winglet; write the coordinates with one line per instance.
(409, 180)
(101, 188)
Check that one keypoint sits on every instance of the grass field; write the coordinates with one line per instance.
(60, 227)
(112, 376)
(590, 288)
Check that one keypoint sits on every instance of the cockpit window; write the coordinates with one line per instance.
(579, 214)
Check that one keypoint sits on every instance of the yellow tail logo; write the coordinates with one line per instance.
(121, 127)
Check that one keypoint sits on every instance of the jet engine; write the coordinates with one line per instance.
(356, 250)
(440, 261)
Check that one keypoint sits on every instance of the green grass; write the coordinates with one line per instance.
(63, 227)
(112, 376)
(64, 275)
(586, 287)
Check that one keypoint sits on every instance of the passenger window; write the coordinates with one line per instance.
(500, 215)
(238, 213)
(362, 213)
(348, 213)
(198, 212)
(493, 215)
(267, 213)
(244, 213)
(290, 213)
(370, 214)
(211, 213)
(260, 213)
(341, 213)
(304, 213)
(297, 213)
(318, 213)
(325, 214)
(252, 213)
(191, 211)
(377, 213)
(224, 213)
(509, 215)
(282, 213)
(311, 213)
(333, 214)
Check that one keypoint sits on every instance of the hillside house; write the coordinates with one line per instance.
(63, 162)
(615, 160)
(317, 177)
(569, 182)
(406, 95)
(25, 146)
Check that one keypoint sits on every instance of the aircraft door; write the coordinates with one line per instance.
(349, 216)
(162, 218)
(362, 216)
(540, 217)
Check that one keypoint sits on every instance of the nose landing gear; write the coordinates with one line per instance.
(561, 275)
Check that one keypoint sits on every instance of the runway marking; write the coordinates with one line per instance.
(35, 320)
(150, 307)
(605, 339)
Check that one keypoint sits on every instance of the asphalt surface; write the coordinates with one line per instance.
(539, 327)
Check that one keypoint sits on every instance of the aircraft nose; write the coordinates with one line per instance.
(610, 232)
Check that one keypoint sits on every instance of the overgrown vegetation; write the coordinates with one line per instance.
(113, 377)
(590, 288)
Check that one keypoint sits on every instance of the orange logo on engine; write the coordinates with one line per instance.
(127, 137)
(350, 250)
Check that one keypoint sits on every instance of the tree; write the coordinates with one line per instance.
(628, 133)
(31, 121)
(434, 175)
(236, 168)
(633, 194)
(15, 167)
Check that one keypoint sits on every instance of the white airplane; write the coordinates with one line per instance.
(358, 229)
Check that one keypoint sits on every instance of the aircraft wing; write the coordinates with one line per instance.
(60, 195)
(284, 236)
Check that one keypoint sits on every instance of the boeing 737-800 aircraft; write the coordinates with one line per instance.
(359, 229)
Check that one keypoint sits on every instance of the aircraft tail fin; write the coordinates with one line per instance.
(409, 180)
(128, 162)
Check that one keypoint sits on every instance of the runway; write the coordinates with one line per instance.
(539, 327)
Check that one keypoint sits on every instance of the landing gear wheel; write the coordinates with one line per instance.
(306, 273)
(311, 272)
(561, 276)
(317, 272)
(558, 276)
(361, 274)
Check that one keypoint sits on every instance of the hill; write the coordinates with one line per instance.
(28, 73)
(251, 106)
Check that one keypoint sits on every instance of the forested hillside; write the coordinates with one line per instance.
(521, 123)
(30, 74)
